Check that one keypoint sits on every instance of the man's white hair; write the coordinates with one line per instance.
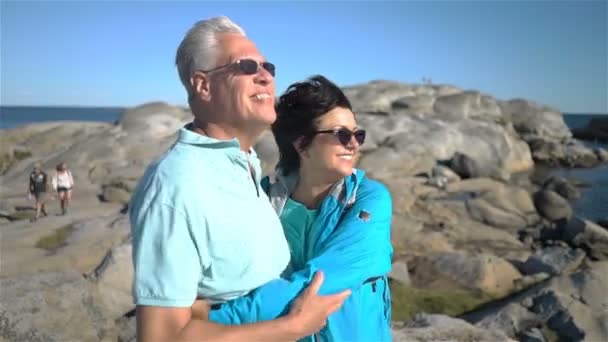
(198, 49)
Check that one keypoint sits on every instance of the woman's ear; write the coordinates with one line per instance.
(200, 85)
(297, 145)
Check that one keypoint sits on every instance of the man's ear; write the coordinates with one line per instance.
(200, 85)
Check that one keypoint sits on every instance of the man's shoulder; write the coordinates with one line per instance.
(176, 172)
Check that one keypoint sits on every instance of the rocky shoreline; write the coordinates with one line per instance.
(482, 250)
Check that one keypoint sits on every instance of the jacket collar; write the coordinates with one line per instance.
(343, 191)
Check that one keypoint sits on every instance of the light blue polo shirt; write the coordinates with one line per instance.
(202, 227)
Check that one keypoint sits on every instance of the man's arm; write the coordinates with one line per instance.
(307, 316)
(358, 249)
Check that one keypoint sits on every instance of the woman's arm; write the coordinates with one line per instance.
(358, 249)
(307, 316)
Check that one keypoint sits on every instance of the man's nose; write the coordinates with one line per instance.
(263, 76)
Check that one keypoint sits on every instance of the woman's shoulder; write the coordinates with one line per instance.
(369, 185)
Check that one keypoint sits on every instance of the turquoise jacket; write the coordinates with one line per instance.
(351, 245)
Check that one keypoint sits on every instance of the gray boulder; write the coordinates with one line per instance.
(571, 306)
(552, 206)
(601, 153)
(532, 120)
(553, 260)
(586, 235)
(51, 307)
(443, 328)
(467, 167)
(114, 279)
(562, 187)
(400, 273)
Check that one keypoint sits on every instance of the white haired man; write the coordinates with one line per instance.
(201, 226)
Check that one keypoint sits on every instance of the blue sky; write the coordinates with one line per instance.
(121, 53)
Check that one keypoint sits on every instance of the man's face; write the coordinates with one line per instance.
(241, 100)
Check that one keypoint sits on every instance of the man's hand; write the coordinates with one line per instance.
(308, 314)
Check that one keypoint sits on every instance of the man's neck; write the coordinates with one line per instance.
(222, 132)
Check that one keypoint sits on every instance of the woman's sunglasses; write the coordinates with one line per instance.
(247, 66)
(344, 135)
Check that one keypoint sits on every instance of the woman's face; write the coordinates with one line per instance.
(326, 157)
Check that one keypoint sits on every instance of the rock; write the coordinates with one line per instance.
(114, 279)
(412, 139)
(552, 206)
(529, 280)
(546, 151)
(445, 172)
(550, 308)
(603, 223)
(467, 167)
(400, 273)
(532, 335)
(414, 104)
(127, 184)
(484, 272)
(512, 319)
(562, 187)
(601, 153)
(571, 306)
(389, 162)
(596, 130)
(376, 96)
(586, 235)
(156, 120)
(116, 195)
(482, 211)
(553, 260)
(578, 155)
(532, 120)
(443, 328)
(50, 307)
(497, 204)
(468, 104)
(126, 327)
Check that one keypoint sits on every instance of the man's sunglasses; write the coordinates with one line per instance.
(247, 66)
(344, 135)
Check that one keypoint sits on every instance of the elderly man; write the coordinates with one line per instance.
(201, 225)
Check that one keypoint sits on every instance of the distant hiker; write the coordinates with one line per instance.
(62, 183)
(38, 189)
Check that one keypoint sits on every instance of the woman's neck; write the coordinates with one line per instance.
(310, 191)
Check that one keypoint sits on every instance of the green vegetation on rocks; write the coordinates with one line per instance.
(7, 160)
(56, 239)
(408, 301)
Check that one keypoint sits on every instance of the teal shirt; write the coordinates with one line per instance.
(202, 226)
(297, 221)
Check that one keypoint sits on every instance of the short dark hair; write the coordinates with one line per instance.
(297, 110)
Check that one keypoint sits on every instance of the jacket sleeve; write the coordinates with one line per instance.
(359, 248)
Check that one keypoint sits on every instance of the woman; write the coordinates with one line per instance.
(335, 219)
(63, 183)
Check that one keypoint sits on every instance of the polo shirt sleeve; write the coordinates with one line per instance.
(167, 266)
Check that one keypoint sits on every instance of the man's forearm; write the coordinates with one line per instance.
(280, 329)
